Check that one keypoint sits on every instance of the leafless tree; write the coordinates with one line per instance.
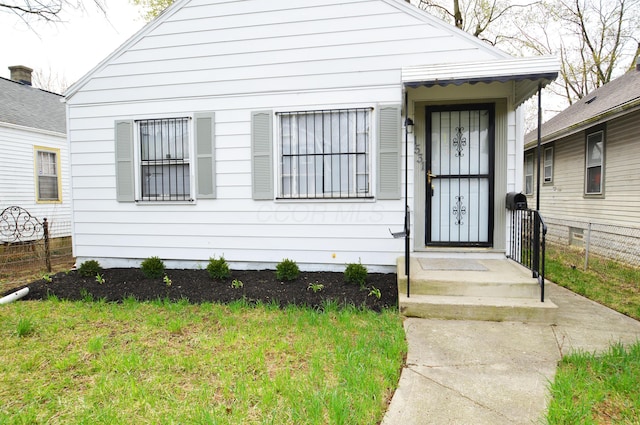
(489, 20)
(49, 80)
(30, 11)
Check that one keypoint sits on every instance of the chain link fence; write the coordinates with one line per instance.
(619, 243)
(30, 247)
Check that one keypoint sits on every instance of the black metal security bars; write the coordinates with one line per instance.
(325, 154)
(164, 159)
(528, 240)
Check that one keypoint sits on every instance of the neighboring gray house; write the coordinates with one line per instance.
(34, 155)
(590, 184)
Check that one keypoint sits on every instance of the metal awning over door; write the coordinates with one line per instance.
(528, 74)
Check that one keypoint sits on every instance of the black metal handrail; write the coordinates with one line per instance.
(528, 240)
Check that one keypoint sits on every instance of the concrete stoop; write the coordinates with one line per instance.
(472, 289)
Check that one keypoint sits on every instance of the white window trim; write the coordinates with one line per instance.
(526, 157)
(372, 152)
(544, 164)
(137, 160)
(586, 163)
(58, 162)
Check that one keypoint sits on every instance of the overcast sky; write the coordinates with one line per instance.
(67, 50)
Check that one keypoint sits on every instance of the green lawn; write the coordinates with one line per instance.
(175, 363)
(601, 388)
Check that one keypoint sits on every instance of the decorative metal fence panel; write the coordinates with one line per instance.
(26, 248)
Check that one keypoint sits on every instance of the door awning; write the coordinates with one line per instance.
(526, 73)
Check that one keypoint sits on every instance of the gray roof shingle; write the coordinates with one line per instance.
(24, 105)
(615, 96)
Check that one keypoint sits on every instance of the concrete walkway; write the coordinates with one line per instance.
(472, 372)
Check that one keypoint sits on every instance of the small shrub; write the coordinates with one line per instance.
(287, 270)
(375, 292)
(167, 280)
(218, 269)
(100, 279)
(237, 284)
(152, 267)
(89, 268)
(315, 287)
(355, 273)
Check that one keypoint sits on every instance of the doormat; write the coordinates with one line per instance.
(454, 264)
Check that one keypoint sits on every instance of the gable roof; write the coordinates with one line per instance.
(27, 106)
(401, 5)
(617, 97)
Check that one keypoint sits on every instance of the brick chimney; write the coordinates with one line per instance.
(21, 74)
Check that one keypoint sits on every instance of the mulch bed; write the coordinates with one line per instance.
(197, 287)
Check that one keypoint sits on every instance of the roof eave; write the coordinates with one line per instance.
(585, 124)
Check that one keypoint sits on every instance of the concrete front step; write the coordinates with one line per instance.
(472, 289)
(498, 309)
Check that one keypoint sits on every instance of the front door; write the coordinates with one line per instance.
(459, 186)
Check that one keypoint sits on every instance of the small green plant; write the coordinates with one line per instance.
(218, 268)
(375, 292)
(89, 268)
(100, 279)
(355, 273)
(152, 267)
(167, 280)
(47, 278)
(25, 328)
(315, 287)
(287, 270)
(236, 284)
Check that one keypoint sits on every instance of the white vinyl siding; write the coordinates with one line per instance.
(19, 176)
(245, 61)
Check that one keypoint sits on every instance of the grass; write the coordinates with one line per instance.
(607, 282)
(594, 388)
(161, 362)
(597, 389)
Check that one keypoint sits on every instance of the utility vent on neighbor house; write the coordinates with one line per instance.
(576, 236)
(21, 74)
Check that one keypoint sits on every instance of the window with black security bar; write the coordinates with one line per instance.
(325, 154)
(164, 159)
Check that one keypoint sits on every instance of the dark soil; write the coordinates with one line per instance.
(197, 287)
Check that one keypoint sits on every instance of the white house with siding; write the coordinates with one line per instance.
(260, 130)
(34, 166)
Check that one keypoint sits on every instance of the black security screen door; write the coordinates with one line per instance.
(459, 178)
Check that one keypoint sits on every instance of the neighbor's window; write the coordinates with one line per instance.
(528, 174)
(164, 159)
(548, 165)
(47, 170)
(325, 154)
(594, 163)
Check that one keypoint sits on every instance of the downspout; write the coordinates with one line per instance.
(407, 213)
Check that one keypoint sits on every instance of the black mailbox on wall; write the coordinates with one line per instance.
(516, 201)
